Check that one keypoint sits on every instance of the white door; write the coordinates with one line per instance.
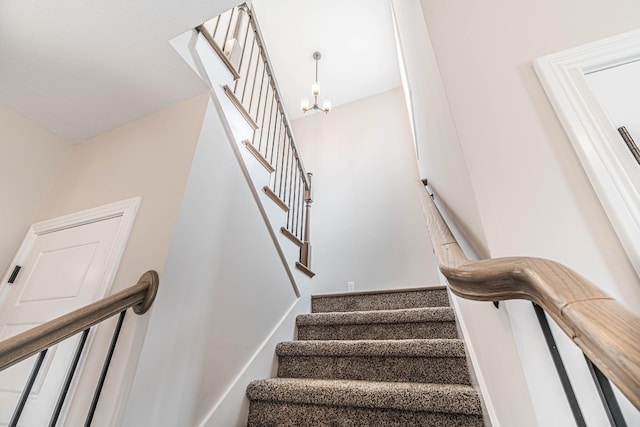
(618, 91)
(62, 270)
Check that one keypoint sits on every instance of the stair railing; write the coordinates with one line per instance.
(40, 339)
(235, 35)
(606, 332)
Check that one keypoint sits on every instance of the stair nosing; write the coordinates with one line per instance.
(416, 397)
(366, 317)
(380, 292)
(424, 348)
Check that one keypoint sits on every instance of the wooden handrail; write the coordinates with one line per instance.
(19, 347)
(606, 331)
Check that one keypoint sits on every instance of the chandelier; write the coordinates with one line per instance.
(315, 90)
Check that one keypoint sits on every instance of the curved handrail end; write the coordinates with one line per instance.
(606, 331)
(152, 280)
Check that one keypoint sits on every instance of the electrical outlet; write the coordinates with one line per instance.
(351, 286)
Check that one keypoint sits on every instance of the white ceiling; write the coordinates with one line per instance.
(81, 67)
(355, 38)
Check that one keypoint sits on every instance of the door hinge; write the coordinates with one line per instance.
(13, 276)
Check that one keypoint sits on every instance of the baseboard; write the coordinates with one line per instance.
(491, 418)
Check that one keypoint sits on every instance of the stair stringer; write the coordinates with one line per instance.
(196, 51)
(231, 409)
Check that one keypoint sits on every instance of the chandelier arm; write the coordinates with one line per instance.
(315, 88)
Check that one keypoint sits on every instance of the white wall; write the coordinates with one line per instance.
(487, 331)
(31, 158)
(533, 196)
(224, 290)
(440, 158)
(366, 223)
(618, 91)
(149, 157)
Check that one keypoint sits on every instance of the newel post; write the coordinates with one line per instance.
(305, 252)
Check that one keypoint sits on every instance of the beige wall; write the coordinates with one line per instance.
(31, 158)
(533, 196)
(149, 157)
(497, 366)
(530, 187)
(366, 221)
(440, 158)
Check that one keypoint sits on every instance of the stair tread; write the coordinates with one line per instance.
(381, 300)
(418, 397)
(382, 291)
(407, 315)
(373, 348)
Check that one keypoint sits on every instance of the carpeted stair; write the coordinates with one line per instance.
(371, 359)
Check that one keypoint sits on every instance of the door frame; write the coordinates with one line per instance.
(612, 171)
(124, 209)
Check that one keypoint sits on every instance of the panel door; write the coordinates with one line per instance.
(63, 271)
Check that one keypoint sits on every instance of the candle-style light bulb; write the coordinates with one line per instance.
(326, 106)
(304, 105)
(315, 88)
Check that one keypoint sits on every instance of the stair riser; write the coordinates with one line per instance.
(389, 331)
(272, 414)
(389, 301)
(440, 370)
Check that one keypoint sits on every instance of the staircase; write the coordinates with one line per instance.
(371, 359)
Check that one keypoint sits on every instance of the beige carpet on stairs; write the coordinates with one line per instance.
(371, 359)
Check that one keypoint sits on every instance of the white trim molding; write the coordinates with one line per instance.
(126, 209)
(612, 171)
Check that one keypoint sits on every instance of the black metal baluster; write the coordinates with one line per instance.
(276, 141)
(280, 159)
(246, 78)
(105, 369)
(279, 155)
(244, 51)
(288, 169)
(266, 148)
(27, 389)
(303, 212)
(264, 108)
(68, 379)
(609, 401)
(296, 196)
(255, 79)
(215, 28)
(557, 361)
(301, 205)
(226, 35)
(292, 195)
(291, 185)
(285, 168)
